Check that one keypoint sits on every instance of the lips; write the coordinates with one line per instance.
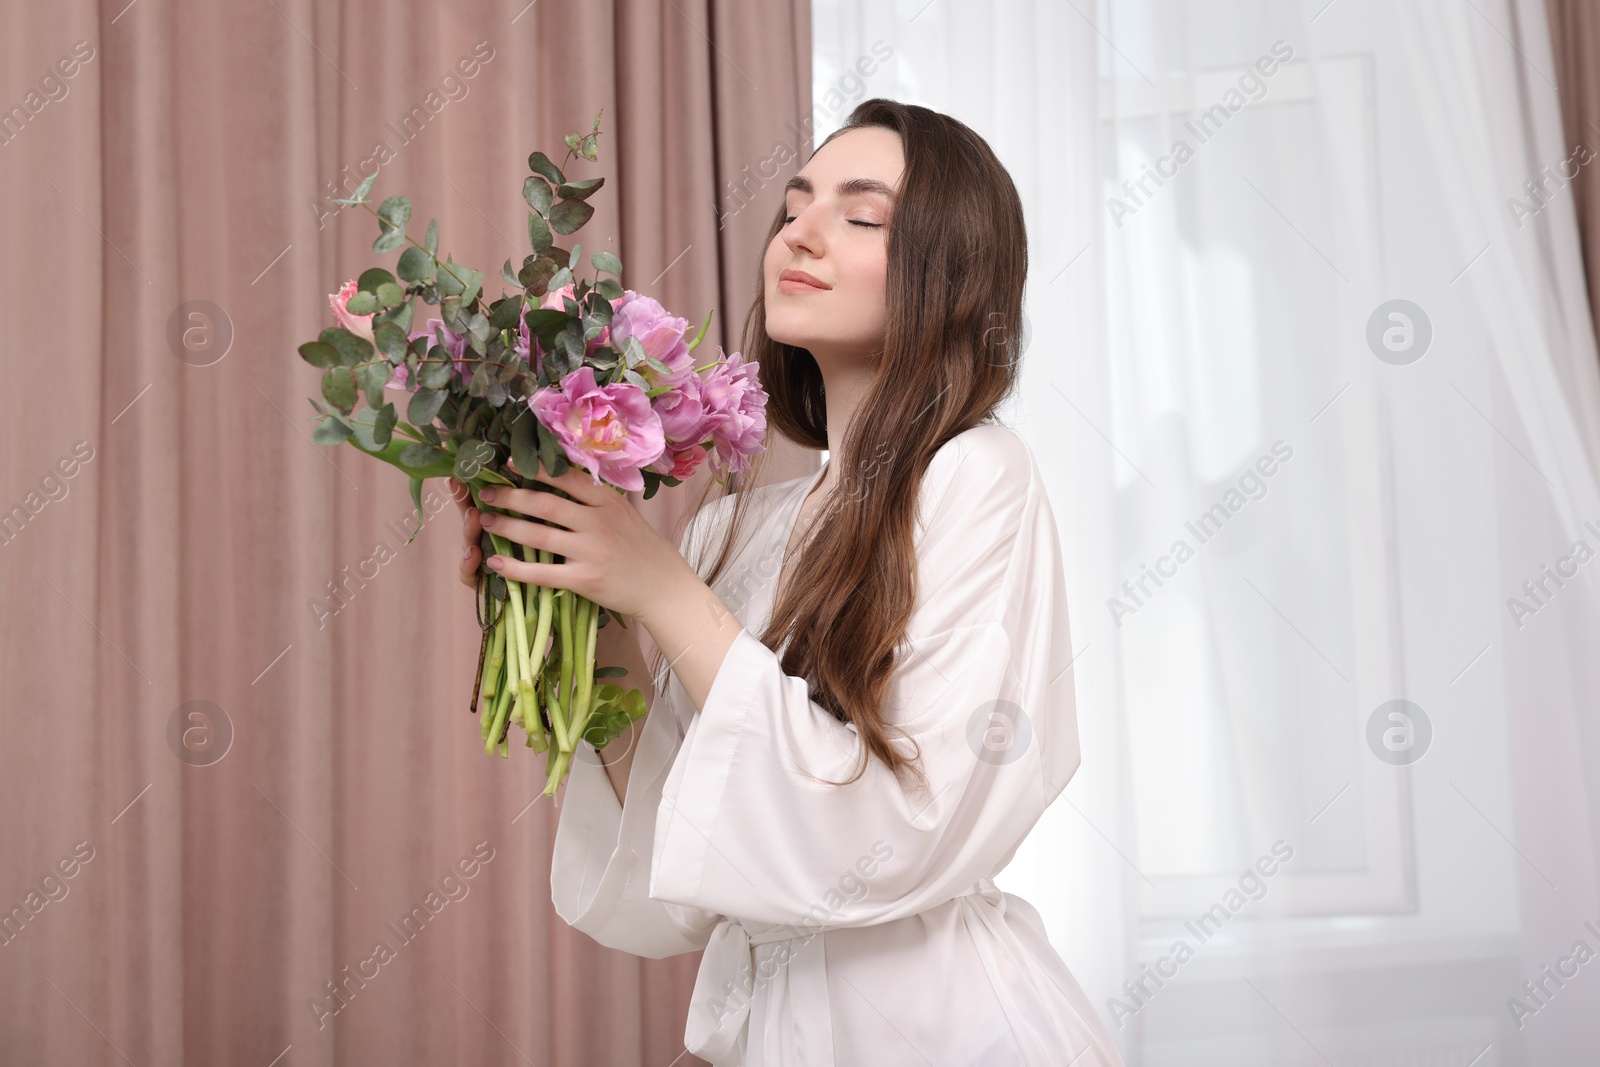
(802, 278)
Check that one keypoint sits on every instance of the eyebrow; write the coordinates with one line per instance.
(848, 187)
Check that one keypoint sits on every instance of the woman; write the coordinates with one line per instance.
(821, 808)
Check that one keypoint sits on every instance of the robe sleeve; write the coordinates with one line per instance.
(600, 865)
(982, 686)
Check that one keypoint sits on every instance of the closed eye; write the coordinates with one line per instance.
(870, 225)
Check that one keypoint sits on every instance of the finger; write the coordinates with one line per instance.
(537, 503)
(576, 481)
(532, 534)
(471, 529)
(552, 575)
(460, 494)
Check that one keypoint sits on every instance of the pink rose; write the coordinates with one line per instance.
(736, 406)
(360, 325)
(611, 430)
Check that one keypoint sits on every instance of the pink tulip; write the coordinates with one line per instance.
(611, 430)
(734, 401)
(685, 425)
(660, 334)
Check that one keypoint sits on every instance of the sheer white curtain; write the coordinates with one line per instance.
(1312, 375)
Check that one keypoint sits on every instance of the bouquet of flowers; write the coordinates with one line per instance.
(560, 371)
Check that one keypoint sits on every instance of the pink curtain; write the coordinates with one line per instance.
(222, 786)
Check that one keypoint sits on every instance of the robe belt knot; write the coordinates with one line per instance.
(725, 984)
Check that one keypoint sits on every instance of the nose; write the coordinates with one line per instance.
(803, 234)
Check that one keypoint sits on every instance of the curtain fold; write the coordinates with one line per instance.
(232, 693)
(1574, 36)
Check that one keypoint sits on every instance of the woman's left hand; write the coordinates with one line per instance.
(611, 555)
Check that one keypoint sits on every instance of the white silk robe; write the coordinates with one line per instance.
(857, 924)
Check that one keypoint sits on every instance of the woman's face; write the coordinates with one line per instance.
(840, 238)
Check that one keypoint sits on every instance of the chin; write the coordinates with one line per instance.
(787, 327)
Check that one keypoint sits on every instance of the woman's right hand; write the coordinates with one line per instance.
(470, 531)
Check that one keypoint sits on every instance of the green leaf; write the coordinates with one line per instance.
(703, 327)
(472, 456)
(568, 215)
(363, 426)
(536, 272)
(541, 320)
(561, 279)
(540, 163)
(418, 454)
(538, 233)
(363, 304)
(504, 314)
(450, 311)
(609, 288)
(391, 342)
(416, 265)
(389, 240)
(372, 278)
(352, 349)
(400, 316)
(605, 261)
(331, 431)
(383, 425)
(479, 331)
(548, 448)
(319, 354)
(610, 672)
(390, 295)
(436, 372)
(416, 504)
(456, 279)
(632, 351)
(525, 441)
(360, 195)
(373, 376)
(424, 406)
(572, 257)
(396, 211)
(339, 386)
(580, 190)
(536, 191)
(509, 275)
(431, 239)
(391, 455)
(440, 365)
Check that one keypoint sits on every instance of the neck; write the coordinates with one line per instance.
(845, 382)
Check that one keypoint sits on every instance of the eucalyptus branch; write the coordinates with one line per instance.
(478, 303)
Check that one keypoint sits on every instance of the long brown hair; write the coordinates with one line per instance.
(957, 264)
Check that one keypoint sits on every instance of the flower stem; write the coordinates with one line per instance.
(559, 716)
(495, 665)
(586, 673)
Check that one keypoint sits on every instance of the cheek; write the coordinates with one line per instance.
(771, 263)
(867, 284)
